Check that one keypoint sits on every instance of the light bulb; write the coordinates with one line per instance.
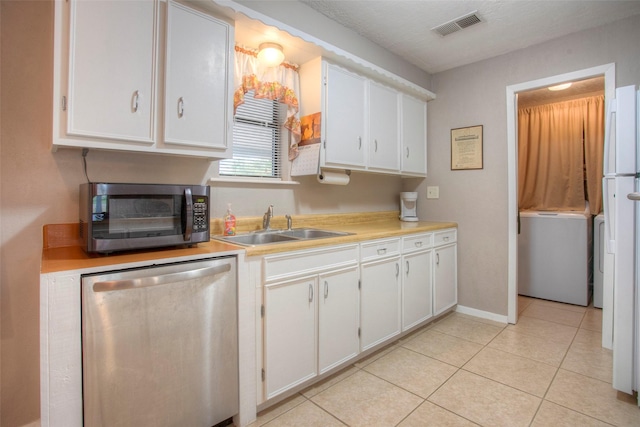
(270, 54)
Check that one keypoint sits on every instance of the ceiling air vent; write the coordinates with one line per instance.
(458, 24)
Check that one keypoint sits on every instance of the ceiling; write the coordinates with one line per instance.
(578, 89)
(404, 26)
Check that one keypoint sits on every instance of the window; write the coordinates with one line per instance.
(256, 140)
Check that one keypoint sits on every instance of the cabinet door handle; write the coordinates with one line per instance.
(326, 289)
(407, 268)
(310, 292)
(134, 101)
(375, 143)
(437, 258)
(407, 152)
(359, 142)
(180, 107)
(397, 270)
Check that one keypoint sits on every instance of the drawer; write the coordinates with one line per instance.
(417, 242)
(293, 264)
(444, 237)
(379, 249)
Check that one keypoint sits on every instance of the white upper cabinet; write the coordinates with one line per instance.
(384, 132)
(344, 136)
(196, 72)
(366, 125)
(414, 136)
(147, 75)
(112, 73)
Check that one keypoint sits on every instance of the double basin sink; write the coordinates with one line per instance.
(279, 236)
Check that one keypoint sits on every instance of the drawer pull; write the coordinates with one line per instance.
(382, 251)
(445, 238)
(418, 244)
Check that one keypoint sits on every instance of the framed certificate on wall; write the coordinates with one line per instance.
(466, 148)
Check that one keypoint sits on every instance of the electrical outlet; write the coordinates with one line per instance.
(433, 192)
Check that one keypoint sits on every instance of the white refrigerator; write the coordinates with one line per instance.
(621, 184)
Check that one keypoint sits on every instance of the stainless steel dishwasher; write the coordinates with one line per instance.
(160, 345)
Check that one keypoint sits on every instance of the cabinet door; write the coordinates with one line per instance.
(111, 84)
(344, 118)
(445, 282)
(416, 288)
(196, 76)
(384, 132)
(290, 334)
(414, 136)
(379, 301)
(338, 322)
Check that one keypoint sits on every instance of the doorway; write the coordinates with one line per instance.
(608, 71)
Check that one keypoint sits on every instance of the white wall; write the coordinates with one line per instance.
(476, 95)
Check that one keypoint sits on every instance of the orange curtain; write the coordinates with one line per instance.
(560, 150)
(594, 148)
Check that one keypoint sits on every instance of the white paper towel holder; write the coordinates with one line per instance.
(334, 177)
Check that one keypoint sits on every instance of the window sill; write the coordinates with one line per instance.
(263, 181)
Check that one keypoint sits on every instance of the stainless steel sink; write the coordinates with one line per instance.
(312, 233)
(279, 236)
(252, 239)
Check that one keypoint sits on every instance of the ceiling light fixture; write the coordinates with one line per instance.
(563, 86)
(270, 54)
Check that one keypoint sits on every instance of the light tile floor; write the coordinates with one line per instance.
(548, 370)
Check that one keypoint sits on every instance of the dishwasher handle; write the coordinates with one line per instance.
(143, 282)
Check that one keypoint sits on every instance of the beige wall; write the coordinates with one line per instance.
(40, 187)
(476, 95)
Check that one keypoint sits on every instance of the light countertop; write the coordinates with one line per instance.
(62, 251)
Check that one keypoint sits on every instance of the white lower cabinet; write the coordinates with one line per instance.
(290, 334)
(417, 280)
(380, 292)
(445, 275)
(338, 318)
(310, 320)
(323, 307)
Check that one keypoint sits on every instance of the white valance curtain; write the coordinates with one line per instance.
(560, 150)
(281, 83)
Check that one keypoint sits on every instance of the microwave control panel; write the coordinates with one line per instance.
(200, 209)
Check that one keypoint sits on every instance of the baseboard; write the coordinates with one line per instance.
(482, 314)
(33, 424)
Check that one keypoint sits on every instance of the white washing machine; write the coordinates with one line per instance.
(554, 256)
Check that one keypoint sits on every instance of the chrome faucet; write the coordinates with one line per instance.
(289, 221)
(266, 219)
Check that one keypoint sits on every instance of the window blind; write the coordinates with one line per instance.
(256, 140)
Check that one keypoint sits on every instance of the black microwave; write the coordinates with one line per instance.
(119, 217)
